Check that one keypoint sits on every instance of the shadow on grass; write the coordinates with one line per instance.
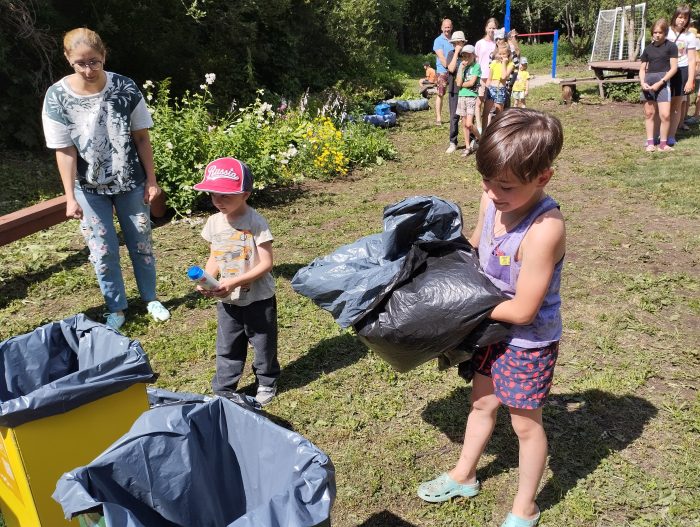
(287, 270)
(582, 428)
(385, 519)
(325, 357)
(16, 287)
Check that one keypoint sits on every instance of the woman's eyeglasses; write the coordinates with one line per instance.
(82, 66)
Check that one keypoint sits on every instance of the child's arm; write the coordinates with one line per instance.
(527, 86)
(542, 248)
(471, 82)
(263, 266)
(476, 235)
(459, 79)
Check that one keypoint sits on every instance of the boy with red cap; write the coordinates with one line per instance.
(241, 257)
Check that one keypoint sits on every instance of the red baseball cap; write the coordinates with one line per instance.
(226, 175)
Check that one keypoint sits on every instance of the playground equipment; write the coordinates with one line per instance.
(555, 46)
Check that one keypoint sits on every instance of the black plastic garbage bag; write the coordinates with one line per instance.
(204, 464)
(439, 311)
(63, 365)
(352, 280)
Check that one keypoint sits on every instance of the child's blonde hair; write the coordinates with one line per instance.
(503, 47)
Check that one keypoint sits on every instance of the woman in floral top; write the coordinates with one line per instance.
(97, 122)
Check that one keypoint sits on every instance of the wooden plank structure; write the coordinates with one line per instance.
(606, 72)
(32, 219)
(29, 220)
(623, 71)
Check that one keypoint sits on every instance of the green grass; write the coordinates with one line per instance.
(624, 415)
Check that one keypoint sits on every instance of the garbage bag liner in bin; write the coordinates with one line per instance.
(441, 310)
(204, 464)
(351, 281)
(63, 365)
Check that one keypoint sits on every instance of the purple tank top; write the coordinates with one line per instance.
(497, 258)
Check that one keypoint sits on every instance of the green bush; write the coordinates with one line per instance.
(280, 145)
(540, 55)
(626, 92)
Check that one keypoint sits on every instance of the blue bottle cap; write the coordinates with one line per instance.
(195, 272)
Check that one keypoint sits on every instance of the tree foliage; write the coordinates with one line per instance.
(284, 46)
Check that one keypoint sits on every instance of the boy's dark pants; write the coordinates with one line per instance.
(454, 118)
(255, 323)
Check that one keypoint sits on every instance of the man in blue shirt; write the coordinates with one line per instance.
(442, 47)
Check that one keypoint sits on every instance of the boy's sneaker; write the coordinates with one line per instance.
(265, 394)
(158, 311)
(115, 320)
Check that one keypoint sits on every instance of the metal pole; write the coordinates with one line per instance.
(506, 22)
(554, 53)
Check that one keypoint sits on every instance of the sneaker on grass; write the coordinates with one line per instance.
(158, 311)
(115, 320)
(265, 394)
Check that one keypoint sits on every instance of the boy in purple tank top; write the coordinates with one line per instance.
(521, 239)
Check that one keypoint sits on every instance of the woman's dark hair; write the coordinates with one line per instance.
(683, 9)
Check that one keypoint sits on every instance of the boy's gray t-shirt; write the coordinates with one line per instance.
(234, 244)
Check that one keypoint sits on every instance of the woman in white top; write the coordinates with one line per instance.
(683, 82)
(483, 49)
(97, 122)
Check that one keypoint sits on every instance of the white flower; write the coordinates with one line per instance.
(202, 86)
(284, 161)
(210, 78)
(148, 84)
(151, 110)
(149, 97)
(169, 145)
(272, 156)
(239, 120)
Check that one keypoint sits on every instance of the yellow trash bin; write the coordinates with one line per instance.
(94, 395)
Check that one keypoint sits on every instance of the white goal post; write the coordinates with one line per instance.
(610, 42)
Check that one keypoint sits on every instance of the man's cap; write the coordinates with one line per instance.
(468, 49)
(458, 36)
(226, 175)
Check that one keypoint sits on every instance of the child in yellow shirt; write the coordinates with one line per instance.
(521, 85)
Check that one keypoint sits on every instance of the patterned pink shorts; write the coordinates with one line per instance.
(521, 377)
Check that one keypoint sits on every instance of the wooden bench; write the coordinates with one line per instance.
(568, 86)
(29, 220)
(32, 219)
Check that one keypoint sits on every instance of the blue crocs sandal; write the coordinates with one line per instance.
(444, 488)
(516, 521)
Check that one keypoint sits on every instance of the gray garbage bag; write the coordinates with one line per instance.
(63, 365)
(204, 464)
(440, 310)
(162, 397)
(353, 279)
